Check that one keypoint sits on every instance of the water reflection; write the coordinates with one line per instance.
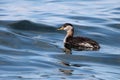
(66, 71)
(65, 63)
(68, 64)
(67, 51)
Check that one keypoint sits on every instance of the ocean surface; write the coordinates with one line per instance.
(31, 48)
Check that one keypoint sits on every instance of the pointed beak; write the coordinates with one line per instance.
(61, 28)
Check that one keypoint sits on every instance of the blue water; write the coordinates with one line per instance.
(31, 48)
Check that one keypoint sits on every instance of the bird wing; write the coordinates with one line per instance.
(82, 42)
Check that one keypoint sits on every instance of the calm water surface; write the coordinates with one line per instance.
(31, 48)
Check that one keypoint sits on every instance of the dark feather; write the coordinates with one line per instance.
(81, 43)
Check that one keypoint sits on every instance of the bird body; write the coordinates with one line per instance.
(81, 43)
(77, 43)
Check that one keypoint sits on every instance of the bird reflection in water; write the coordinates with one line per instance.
(66, 71)
(68, 64)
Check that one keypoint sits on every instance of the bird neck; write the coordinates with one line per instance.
(69, 34)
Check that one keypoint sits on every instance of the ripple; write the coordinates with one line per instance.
(91, 57)
(116, 26)
(31, 48)
(91, 19)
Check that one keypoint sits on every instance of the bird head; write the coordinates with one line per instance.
(66, 27)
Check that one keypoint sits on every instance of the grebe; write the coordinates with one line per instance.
(77, 43)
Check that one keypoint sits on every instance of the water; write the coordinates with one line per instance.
(31, 48)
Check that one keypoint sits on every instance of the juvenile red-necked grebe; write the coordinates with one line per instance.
(77, 43)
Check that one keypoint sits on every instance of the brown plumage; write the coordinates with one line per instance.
(81, 43)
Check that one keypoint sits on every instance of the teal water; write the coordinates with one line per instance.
(31, 48)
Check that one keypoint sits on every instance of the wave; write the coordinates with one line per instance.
(27, 25)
